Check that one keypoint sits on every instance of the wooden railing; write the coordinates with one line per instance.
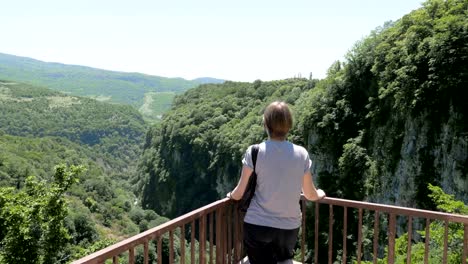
(216, 229)
(379, 213)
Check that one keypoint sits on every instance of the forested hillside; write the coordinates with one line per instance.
(115, 131)
(393, 118)
(382, 125)
(194, 156)
(135, 89)
(41, 128)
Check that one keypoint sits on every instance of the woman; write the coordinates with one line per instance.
(273, 218)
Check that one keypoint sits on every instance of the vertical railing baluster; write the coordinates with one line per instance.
(131, 255)
(233, 241)
(222, 237)
(410, 238)
(359, 237)
(426, 243)
(145, 248)
(171, 246)
(202, 238)
(345, 232)
(115, 260)
(465, 244)
(241, 235)
(391, 239)
(211, 237)
(304, 204)
(182, 244)
(159, 249)
(218, 237)
(376, 236)
(444, 258)
(229, 234)
(316, 232)
(224, 234)
(192, 242)
(236, 235)
(330, 234)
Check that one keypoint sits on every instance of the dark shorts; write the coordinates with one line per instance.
(267, 245)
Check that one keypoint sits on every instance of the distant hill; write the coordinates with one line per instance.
(104, 85)
(204, 80)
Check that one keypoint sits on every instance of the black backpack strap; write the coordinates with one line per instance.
(254, 153)
(251, 184)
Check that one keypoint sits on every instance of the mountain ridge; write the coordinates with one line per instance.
(114, 86)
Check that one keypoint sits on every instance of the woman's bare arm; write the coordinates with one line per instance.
(238, 192)
(308, 187)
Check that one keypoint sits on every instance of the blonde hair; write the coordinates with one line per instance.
(277, 119)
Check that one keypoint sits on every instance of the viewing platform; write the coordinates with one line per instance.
(214, 232)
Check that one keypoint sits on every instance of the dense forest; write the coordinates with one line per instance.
(113, 130)
(383, 124)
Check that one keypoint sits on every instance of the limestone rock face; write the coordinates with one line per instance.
(425, 153)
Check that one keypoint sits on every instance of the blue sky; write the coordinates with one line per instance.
(240, 40)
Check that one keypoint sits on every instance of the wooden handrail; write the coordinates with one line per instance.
(399, 210)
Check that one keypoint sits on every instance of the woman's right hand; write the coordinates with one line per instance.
(320, 194)
(308, 187)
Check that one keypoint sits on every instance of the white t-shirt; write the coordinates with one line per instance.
(280, 169)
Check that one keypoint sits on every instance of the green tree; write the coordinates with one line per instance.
(445, 203)
(32, 219)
